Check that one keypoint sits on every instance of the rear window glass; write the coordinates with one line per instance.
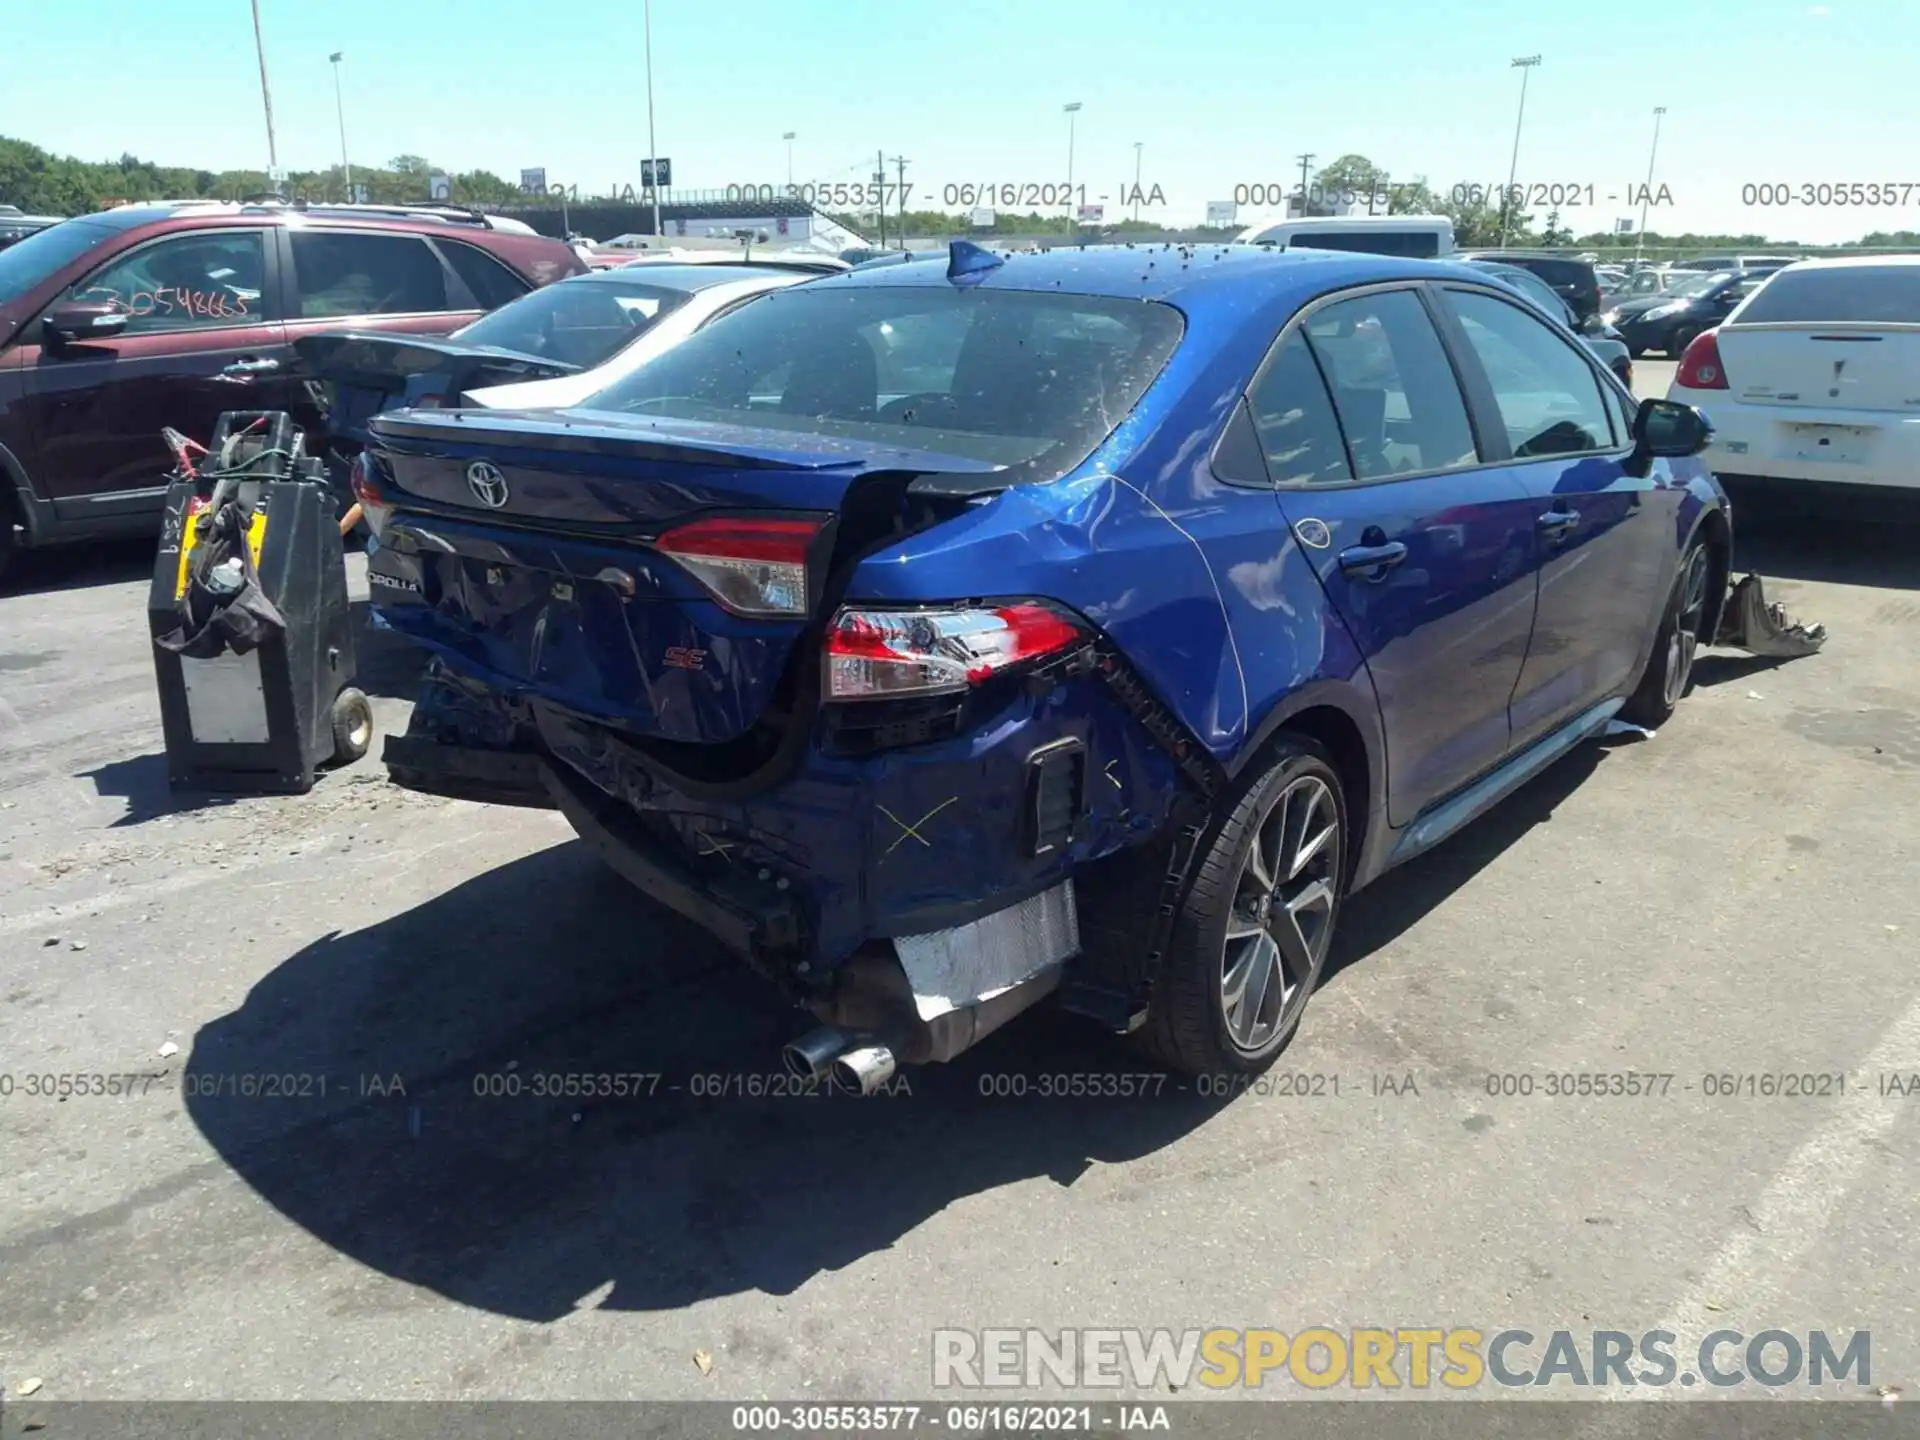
(1870, 294)
(492, 283)
(25, 264)
(1029, 381)
(1408, 244)
(577, 324)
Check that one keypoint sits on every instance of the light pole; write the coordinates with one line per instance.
(266, 96)
(1137, 147)
(788, 137)
(653, 150)
(1523, 64)
(1640, 240)
(340, 109)
(1072, 108)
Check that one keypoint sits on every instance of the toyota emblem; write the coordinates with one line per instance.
(489, 486)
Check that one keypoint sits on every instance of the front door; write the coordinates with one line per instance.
(1606, 536)
(202, 329)
(1427, 555)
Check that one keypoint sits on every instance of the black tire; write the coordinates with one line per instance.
(1188, 1025)
(1669, 673)
(352, 726)
(9, 540)
(1634, 352)
(1683, 337)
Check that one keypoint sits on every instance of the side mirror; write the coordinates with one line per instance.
(1666, 428)
(74, 321)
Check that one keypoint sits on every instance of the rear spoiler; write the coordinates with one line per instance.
(683, 442)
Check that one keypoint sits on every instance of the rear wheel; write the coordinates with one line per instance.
(1669, 672)
(1252, 937)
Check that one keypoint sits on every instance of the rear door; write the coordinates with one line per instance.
(202, 308)
(1843, 338)
(1605, 536)
(1427, 554)
(384, 281)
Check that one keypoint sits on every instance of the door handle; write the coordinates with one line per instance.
(1378, 558)
(247, 369)
(1558, 522)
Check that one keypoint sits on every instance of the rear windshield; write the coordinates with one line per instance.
(33, 259)
(1694, 282)
(1409, 244)
(580, 323)
(1027, 380)
(1570, 274)
(1870, 294)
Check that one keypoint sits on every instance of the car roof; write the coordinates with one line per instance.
(1854, 262)
(449, 219)
(690, 278)
(1158, 272)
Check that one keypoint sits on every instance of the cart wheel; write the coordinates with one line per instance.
(352, 726)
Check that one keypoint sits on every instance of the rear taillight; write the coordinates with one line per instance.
(883, 654)
(752, 567)
(365, 488)
(1700, 367)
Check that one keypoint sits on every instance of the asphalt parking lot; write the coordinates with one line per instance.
(1739, 895)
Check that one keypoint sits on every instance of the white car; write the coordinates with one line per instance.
(710, 292)
(1814, 379)
(550, 349)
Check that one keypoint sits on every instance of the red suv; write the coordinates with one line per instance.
(117, 324)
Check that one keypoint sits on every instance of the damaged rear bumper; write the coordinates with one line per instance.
(921, 894)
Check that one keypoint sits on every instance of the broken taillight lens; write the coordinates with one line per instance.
(884, 654)
(365, 488)
(751, 567)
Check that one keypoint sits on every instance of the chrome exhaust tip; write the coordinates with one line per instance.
(863, 1069)
(812, 1055)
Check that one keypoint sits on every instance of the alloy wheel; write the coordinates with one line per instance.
(1683, 644)
(1282, 918)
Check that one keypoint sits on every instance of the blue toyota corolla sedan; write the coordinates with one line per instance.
(1091, 624)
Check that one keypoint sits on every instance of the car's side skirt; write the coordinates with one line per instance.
(1442, 819)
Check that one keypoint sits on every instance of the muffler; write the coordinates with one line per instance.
(811, 1057)
(863, 1069)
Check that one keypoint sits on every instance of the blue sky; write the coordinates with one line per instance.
(1220, 92)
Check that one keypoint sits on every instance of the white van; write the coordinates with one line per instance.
(1422, 237)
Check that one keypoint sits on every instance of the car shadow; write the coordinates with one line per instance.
(77, 567)
(1877, 552)
(1389, 907)
(426, 1126)
(1722, 669)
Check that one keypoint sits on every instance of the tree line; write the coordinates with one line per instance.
(44, 184)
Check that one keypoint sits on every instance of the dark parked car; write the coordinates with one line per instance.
(1574, 281)
(1602, 339)
(1101, 640)
(115, 325)
(1690, 304)
(15, 226)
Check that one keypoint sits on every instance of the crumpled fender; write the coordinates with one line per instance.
(1101, 545)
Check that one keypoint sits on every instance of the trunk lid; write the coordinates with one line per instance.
(361, 374)
(564, 555)
(1846, 366)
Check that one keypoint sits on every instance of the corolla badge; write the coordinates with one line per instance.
(1313, 532)
(488, 485)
